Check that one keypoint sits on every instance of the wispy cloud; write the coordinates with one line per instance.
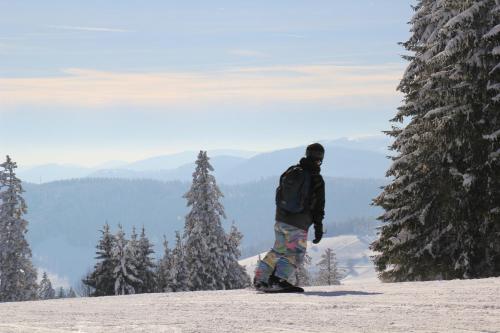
(5, 48)
(248, 53)
(92, 88)
(90, 29)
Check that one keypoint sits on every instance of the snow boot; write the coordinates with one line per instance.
(260, 285)
(278, 285)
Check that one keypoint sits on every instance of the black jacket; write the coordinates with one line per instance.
(316, 211)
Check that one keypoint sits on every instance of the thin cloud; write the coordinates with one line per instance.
(90, 29)
(91, 88)
(248, 53)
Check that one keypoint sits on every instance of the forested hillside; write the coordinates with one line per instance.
(68, 214)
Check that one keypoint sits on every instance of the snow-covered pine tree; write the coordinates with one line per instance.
(328, 272)
(179, 275)
(17, 274)
(491, 132)
(61, 293)
(237, 277)
(163, 269)
(302, 275)
(125, 271)
(145, 264)
(101, 279)
(438, 220)
(134, 258)
(71, 293)
(203, 232)
(45, 290)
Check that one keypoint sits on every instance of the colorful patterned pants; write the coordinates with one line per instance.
(288, 253)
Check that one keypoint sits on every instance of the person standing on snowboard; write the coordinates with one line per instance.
(300, 203)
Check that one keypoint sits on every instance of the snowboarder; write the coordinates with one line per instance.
(300, 203)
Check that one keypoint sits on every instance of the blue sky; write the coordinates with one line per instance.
(85, 82)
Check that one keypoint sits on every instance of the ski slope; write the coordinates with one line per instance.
(439, 306)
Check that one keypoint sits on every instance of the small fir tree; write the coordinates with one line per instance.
(328, 272)
(101, 281)
(45, 290)
(302, 275)
(17, 274)
(145, 264)
(71, 293)
(179, 275)
(61, 293)
(125, 271)
(237, 277)
(163, 270)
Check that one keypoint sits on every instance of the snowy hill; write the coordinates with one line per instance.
(438, 306)
(352, 254)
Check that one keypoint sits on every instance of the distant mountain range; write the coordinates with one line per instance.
(360, 158)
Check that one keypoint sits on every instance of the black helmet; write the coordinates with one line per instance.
(315, 152)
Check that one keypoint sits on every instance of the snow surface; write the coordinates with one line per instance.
(438, 306)
(348, 249)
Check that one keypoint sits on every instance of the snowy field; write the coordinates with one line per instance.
(453, 306)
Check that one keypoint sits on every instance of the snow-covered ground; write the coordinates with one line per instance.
(352, 253)
(451, 306)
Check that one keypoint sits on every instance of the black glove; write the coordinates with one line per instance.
(318, 233)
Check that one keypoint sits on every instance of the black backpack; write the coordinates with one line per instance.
(292, 194)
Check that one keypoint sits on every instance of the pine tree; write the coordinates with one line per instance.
(179, 274)
(491, 132)
(134, 258)
(205, 237)
(237, 277)
(17, 274)
(440, 219)
(302, 275)
(102, 280)
(163, 269)
(328, 272)
(71, 293)
(145, 264)
(61, 293)
(125, 271)
(45, 290)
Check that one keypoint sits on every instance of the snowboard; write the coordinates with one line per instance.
(281, 290)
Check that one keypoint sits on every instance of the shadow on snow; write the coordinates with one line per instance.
(339, 293)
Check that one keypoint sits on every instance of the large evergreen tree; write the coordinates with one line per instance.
(205, 238)
(101, 280)
(125, 270)
(441, 215)
(45, 289)
(17, 274)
